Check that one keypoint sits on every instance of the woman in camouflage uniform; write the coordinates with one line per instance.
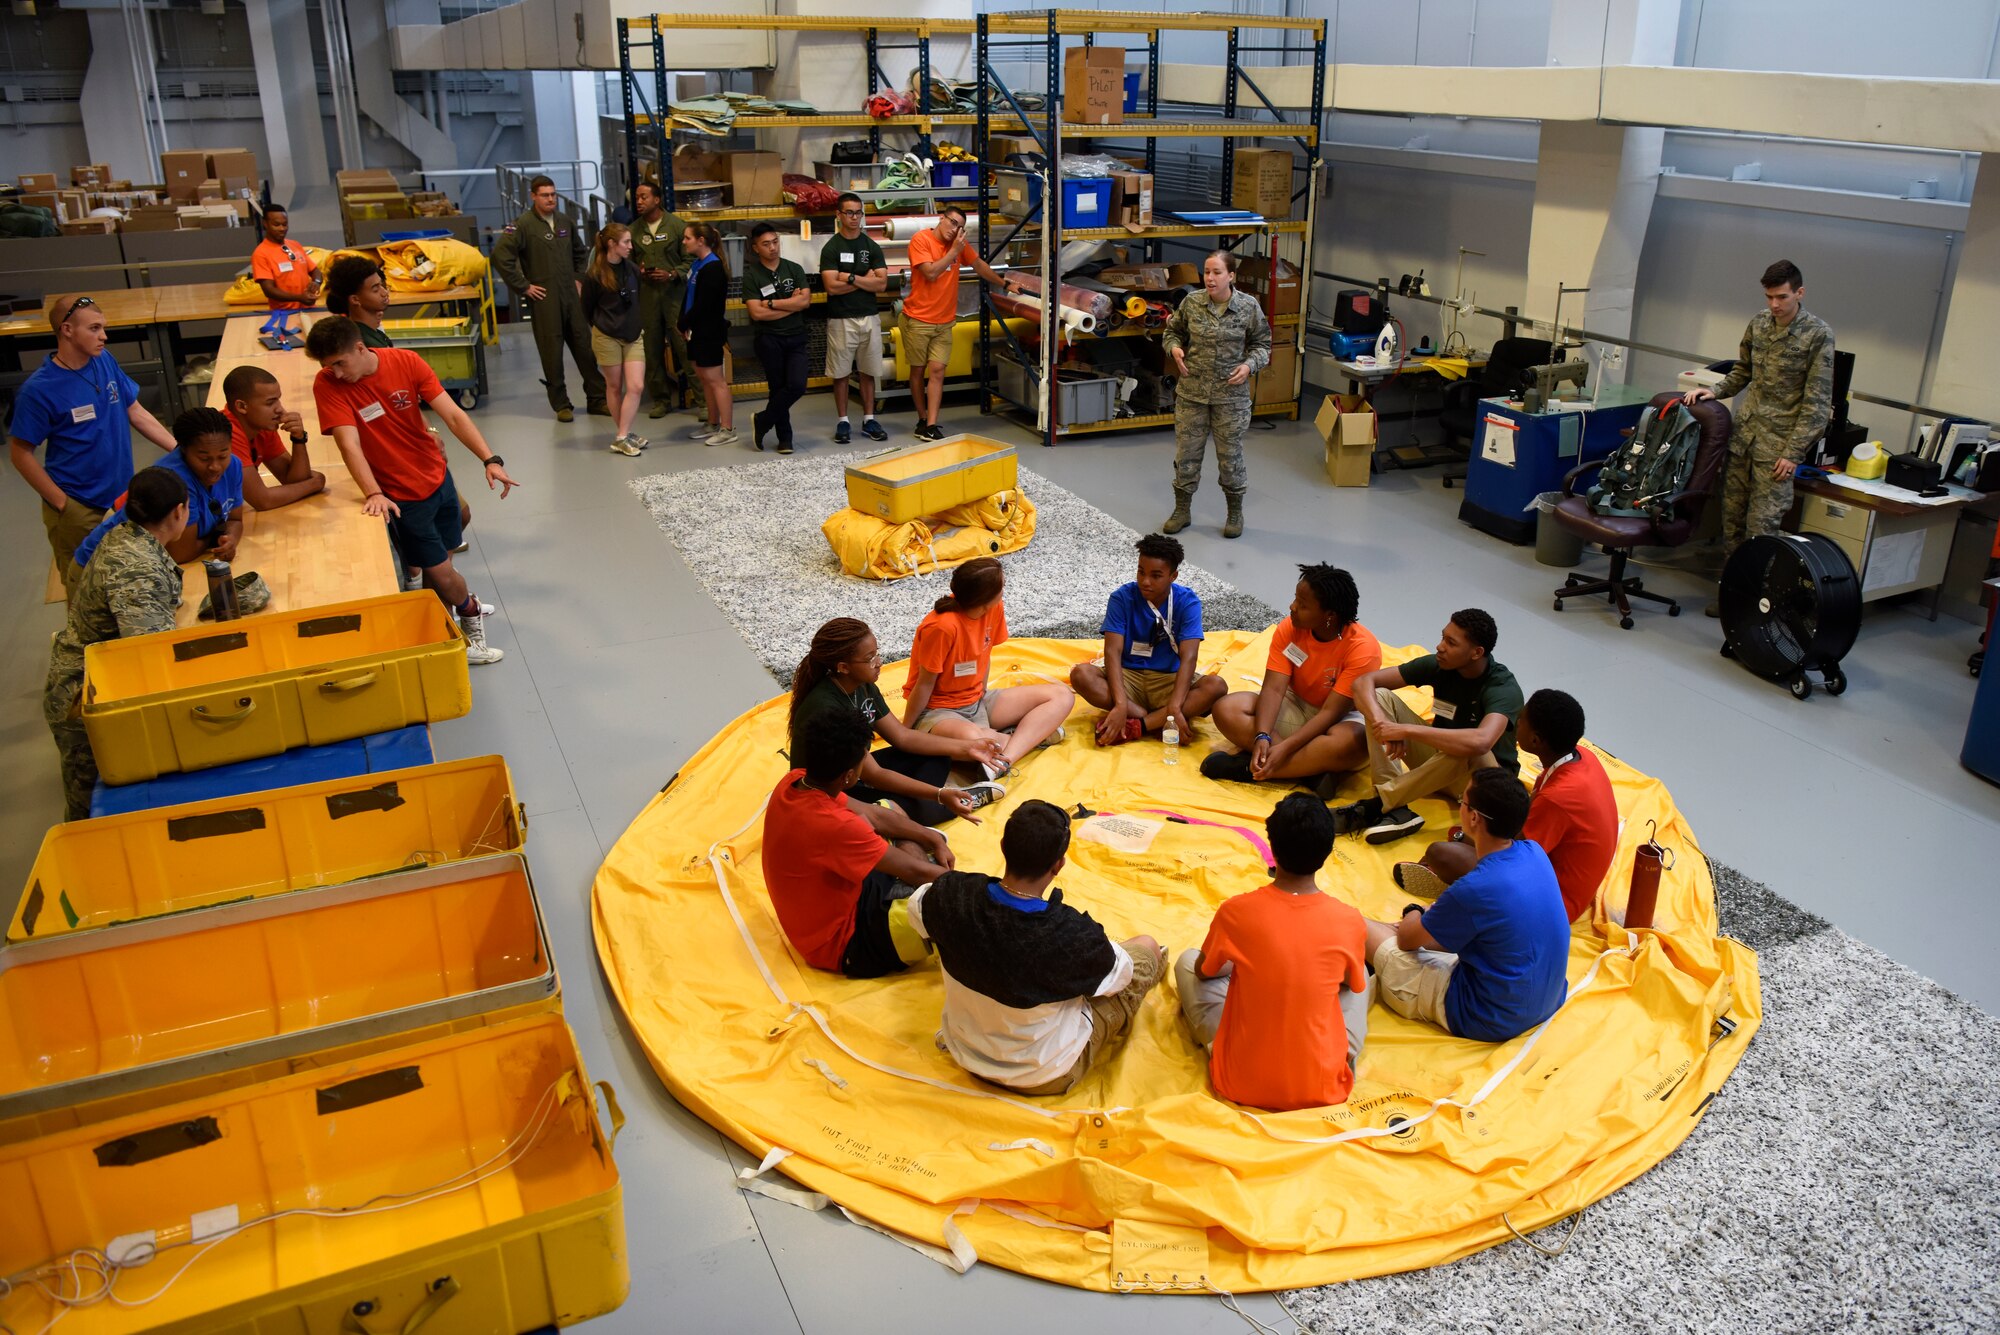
(1217, 341)
(131, 587)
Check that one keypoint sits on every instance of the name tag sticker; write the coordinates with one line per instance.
(285, 267)
(965, 669)
(769, 289)
(86, 412)
(370, 412)
(1295, 655)
(847, 257)
(1444, 711)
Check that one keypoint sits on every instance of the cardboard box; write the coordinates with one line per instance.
(90, 176)
(90, 227)
(232, 162)
(1094, 85)
(1273, 384)
(1183, 275)
(207, 215)
(1135, 277)
(1000, 147)
(38, 182)
(365, 181)
(238, 187)
(1131, 199)
(756, 178)
(1253, 276)
(209, 191)
(1262, 181)
(49, 201)
(151, 218)
(183, 170)
(1347, 424)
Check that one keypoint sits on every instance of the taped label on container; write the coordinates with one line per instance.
(208, 645)
(31, 908)
(158, 1142)
(381, 797)
(340, 625)
(364, 1090)
(182, 829)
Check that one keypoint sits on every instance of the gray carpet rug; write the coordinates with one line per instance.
(1846, 1176)
(751, 534)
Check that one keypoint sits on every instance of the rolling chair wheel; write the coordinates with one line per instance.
(1559, 604)
(1624, 623)
(1673, 609)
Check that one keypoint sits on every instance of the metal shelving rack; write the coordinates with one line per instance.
(1044, 30)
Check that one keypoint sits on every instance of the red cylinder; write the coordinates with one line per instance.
(1646, 863)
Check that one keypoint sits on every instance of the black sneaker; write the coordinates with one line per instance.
(928, 432)
(841, 435)
(1232, 765)
(762, 427)
(1357, 816)
(873, 430)
(1393, 825)
(784, 447)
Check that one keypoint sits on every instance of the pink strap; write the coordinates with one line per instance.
(1256, 839)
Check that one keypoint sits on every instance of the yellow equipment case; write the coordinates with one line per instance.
(212, 695)
(902, 485)
(461, 1186)
(143, 864)
(87, 1016)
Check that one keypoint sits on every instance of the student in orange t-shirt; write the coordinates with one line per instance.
(949, 662)
(1573, 815)
(930, 310)
(1279, 992)
(1302, 722)
(282, 267)
(257, 413)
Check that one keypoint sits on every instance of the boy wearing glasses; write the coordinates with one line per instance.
(853, 270)
(213, 474)
(81, 404)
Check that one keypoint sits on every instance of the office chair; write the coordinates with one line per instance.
(1505, 369)
(1618, 534)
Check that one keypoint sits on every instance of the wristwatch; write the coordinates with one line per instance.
(492, 459)
(299, 439)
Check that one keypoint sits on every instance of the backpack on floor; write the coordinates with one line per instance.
(1643, 475)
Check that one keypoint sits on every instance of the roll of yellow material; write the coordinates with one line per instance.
(1869, 460)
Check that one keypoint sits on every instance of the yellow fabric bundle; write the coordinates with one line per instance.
(873, 548)
(430, 264)
(1008, 515)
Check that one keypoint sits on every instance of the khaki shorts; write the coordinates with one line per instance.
(1110, 1018)
(1413, 984)
(926, 343)
(854, 343)
(1149, 690)
(974, 713)
(615, 352)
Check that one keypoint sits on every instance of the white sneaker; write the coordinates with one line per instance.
(626, 446)
(725, 438)
(412, 580)
(702, 430)
(1053, 739)
(637, 439)
(477, 650)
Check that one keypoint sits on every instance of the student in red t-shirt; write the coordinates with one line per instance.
(1573, 816)
(282, 267)
(371, 402)
(839, 872)
(257, 413)
(1302, 722)
(1279, 992)
(949, 663)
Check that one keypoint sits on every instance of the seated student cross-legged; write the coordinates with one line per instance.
(838, 675)
(1152, 633)
(1035, 993)
(839, 871)
(1573, 815)
(1487, 960)
(1301, 722)
(1474, 703)
(949, 663)
(1279, 991)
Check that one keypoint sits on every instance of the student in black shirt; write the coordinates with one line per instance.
(776, 296)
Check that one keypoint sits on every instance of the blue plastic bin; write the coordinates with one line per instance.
(397, 749)
(1132, 92)
(955, 175)
(1085, 203)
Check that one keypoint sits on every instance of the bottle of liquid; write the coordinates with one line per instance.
(1170, 736)
(221, 591)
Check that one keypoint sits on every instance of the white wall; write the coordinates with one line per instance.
(1938, 39)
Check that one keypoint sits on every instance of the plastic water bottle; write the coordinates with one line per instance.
(222, 601)
(1170, 736)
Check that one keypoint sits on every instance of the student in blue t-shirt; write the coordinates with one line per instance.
(214, 478)
(1487, 960)
(82, 405)
(1152, 633)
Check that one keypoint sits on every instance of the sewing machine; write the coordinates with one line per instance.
(1547, 378)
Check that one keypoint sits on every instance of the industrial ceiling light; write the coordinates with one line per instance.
(24, 9)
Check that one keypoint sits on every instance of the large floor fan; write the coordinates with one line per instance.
(1791, 604)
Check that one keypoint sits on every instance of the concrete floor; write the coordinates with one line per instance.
(619, 666)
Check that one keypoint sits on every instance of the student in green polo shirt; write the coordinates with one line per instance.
(356, 288)
(1475, 703)
(854, 272)
(776, 294)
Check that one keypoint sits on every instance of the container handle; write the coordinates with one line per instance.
(617, 1113)
(244, 707)
(348, 683)
(442, 1291)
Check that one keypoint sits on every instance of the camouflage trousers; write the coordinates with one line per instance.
(1753, 502)
(79, 767)
(1194, 423)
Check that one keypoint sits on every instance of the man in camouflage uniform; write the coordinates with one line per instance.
(663, 271)
(541, 256)
(131, 587)
(1217, 340)
(1787, 363)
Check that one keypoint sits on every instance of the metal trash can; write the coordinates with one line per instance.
(1554, 544)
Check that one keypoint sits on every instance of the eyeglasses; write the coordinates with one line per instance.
(873, 660)
(81, 302)
(850, 213)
